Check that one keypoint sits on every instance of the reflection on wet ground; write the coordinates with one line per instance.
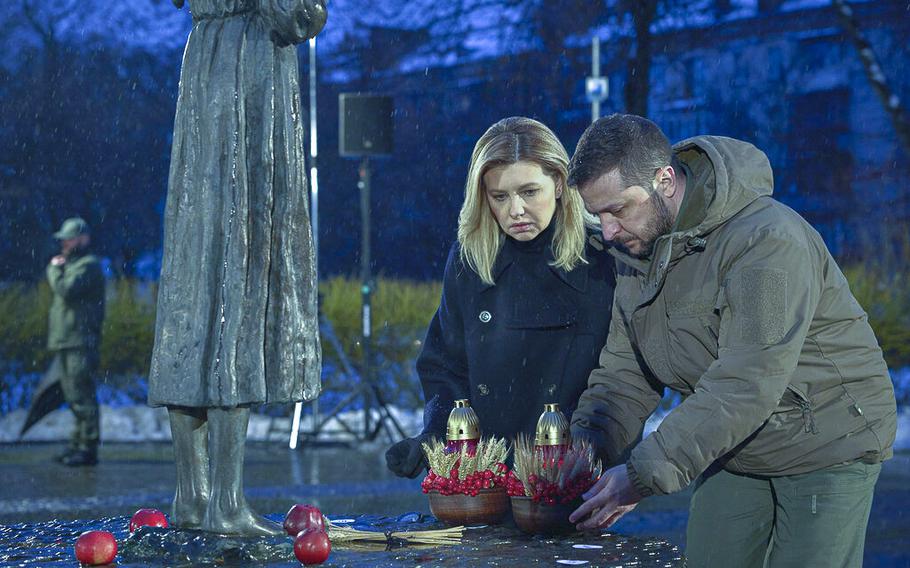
(50, 544)
(131, 476)
(39, 498)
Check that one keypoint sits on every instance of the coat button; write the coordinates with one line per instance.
(485, 316)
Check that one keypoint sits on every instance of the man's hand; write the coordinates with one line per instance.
(609, 499)
(58, 260)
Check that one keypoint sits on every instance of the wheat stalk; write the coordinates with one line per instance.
(341, 534)
(577, 460)
(489, 452)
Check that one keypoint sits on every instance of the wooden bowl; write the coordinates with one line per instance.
(538, 518)
(488, 507)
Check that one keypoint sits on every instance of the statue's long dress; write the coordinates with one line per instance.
(237, 314)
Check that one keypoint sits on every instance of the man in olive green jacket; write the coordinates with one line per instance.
(74, 334)
(731, 299)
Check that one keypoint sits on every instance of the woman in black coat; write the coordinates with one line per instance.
(526, 294)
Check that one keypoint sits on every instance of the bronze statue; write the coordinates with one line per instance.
(237, 322)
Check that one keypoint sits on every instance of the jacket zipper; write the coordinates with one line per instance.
(806, 408)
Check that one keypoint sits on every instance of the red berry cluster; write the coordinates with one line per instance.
(549, 493)
(514, 486)
(470, 485)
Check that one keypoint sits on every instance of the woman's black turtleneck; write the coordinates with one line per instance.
(539, 244)
(533, 285)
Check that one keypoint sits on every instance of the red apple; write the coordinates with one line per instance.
(96, 547)
(147, 518)
(312, 546)
(302, 517)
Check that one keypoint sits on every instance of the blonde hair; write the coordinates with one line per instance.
(512, 140)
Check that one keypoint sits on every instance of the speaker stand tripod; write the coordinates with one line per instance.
(367, 388)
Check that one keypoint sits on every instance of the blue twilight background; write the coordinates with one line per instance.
(88, 92)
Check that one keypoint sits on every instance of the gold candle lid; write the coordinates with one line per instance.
(552, 427)
(463, 423)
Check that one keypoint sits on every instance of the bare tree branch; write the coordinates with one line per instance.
(874, 73)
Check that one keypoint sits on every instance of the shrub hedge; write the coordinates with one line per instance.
(401, 311)
(881, 284)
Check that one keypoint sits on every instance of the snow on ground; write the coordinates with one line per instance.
(135, 423)
(142, 423)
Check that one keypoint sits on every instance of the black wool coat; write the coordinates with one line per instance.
(532, 338)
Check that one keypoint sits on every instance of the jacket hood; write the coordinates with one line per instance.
(729, 174)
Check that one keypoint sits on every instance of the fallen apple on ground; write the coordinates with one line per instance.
(312, 546)
(302, 517)
(96, 547)
(147, 518)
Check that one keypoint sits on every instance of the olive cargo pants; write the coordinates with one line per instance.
(815, 519)
(78, 384)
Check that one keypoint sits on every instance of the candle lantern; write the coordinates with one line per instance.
(552, 437)
(462, 428)
(552, 427)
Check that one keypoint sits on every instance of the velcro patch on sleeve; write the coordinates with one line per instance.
(762, 305)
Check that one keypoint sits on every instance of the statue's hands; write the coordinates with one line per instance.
(406, 458)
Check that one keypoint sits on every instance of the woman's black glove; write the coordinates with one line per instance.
(406, 458)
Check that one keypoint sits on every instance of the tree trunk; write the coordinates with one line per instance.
(874, 73)
(637, 87)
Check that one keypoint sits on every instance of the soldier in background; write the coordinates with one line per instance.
(74, 334)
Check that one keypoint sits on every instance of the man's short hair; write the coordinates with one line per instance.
(631, 143)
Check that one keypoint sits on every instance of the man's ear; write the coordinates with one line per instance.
(665, 180)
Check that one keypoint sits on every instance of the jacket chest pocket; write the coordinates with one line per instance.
(498, 324)
(627, 296)
(693, 329)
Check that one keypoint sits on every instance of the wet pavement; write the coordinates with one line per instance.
(347, 482)
(50, 544)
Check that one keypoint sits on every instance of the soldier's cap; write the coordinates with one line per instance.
(72, 228)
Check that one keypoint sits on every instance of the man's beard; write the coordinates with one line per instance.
(660, 224)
